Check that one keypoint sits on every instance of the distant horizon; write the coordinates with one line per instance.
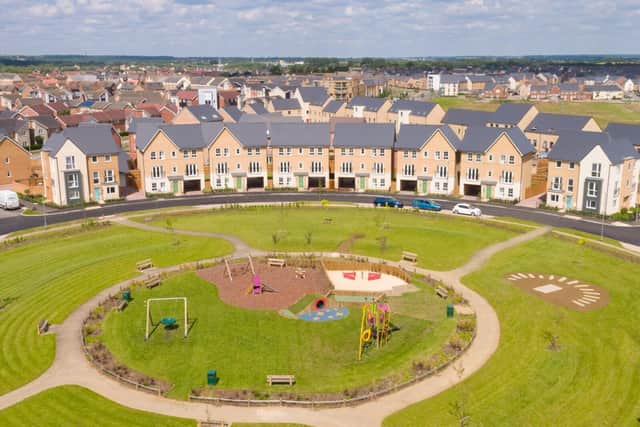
(320, 28)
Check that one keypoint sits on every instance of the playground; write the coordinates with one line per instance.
(281, 287)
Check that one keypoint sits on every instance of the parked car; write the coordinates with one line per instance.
(9, 200)
(466, 209)
(426, 204)
(387, 201)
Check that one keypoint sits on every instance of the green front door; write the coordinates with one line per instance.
(424, 187)
(175, 187)
(487, 191)
(301, 182)
(362, 182)
(239, 183)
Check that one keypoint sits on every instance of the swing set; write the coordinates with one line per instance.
(168, 322)
(375, 326)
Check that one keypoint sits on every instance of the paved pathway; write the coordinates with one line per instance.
(71, 367)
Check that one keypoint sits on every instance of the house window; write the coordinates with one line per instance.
(437, 155)
(281, 151)
(237, 151)
(249, 151)
(225, 152)
(554, 198)
(316, 167)
(70, 162)
(473, 174)
(300, 151)
(154, 187)
(157, 171)
(152, 155)
(72, 181)
(194, 153)
(285, 167)
(510, 192)
(361, 166)
(596, 170)
(374, 152)
(570, 185)
(222, 168)
(442, 171)
(591, 204)
(572, 165)
(217, 152)
(160, 156)
(346, 167)
(382, 152)
(257, 151)
(478, 157)
(558, 164)
(288, 151)
(378, 168)
(592, 189)
(300, 165)
(191, 169)
(173, 154)
(361, 151)
(351, 151)
(94, 159)
(512, 160)
(96, 178)
(445, 155)
(489, 174)
(470, 157)
(343, 151)
(503, 159)
(507, 177)
(185, 154)
(174, 169)
(74, 194)
(426, 154)
(107, 157)
(557, 183)
(491, 157)
(319, 151)
(312, 151)
(408, 170)
(254, 167)
(111, 190)
(405, 154)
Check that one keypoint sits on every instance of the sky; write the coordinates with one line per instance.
(381, 28)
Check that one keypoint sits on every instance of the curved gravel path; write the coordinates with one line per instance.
(71, 366)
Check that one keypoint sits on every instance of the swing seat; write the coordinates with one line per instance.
(168, 321)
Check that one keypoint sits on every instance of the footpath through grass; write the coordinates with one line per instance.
(77, 406)
(245, 346)
(50, 277)
(593, 379)
(441, 241)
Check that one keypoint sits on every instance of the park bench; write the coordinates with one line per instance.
(276, 262)
(122, 305)
(43, 326)
(152, 282)
(300, 273)
(442, 292)
(327, 220)
(144, 264)
(409, 256)
(281, 379)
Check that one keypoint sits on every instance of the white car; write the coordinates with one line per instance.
(466, 209)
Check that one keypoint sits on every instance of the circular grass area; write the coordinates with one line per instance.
(244, 346)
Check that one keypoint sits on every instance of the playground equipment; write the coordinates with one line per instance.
(319, 303)
(257, 287)
(241, 270)
(166, 321)
(374, 326)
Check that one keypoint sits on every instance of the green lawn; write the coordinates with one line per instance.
(77, 406)
(49, 277)
(593, 379)
(246, 345)
(602, 112)
(442, 242)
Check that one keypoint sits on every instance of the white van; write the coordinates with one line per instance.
(9, 200)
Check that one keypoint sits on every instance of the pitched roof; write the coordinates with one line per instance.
(333, 106)
(258, 107)
(47, 121)
(299, 135)
(461, 116)
(233, 111)
(91, 139)
(269, 118)
(574, 146)
(137, 121)
(12, 125)
(478, 139)
(509, 113)
(417, 108)
(314, 95)
(550, 123)
(369, 104)
(364, 135)
(249, 134)
(413, 137)
(624, 132)
(280, 104)
(204, 113)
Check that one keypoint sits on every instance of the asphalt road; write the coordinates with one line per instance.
(628, 234)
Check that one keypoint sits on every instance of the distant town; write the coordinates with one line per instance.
(556, 134)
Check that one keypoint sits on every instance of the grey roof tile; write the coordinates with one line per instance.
(369, 104)
(413, 137)
(204, 113)
(91, 139)
(417, 108)
(364, 135)
(574, 146)
(551, 123)
(509, 113)
(461, 116)
(299, 135)
(280, 104)
(314, 95)
(478, 139)
(333, 106)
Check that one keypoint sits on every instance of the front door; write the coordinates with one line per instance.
(96, 194)
(569, 202)
(487, 190)
(239, 183)
(175, 187)
(301, 182)
(362, 182)
(424, 187)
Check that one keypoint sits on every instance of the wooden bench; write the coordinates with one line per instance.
(276, 262)
(122, 305)
(281, 379)
(327, 220)
(300, 273)
(144, 264)
(152, 282)
(43, 326)
(409, 256)
(442, 292)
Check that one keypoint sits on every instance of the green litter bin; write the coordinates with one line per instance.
(450, 310)
(126, 295)
(212, 377)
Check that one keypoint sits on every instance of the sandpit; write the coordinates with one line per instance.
(363, 281)
(561, 290)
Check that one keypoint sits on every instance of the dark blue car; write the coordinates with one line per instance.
(387, 201)
(426, 204)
